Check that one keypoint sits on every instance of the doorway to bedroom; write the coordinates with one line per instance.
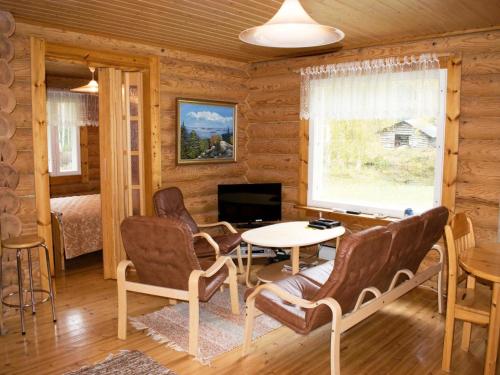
(98, 145)
(73, 162)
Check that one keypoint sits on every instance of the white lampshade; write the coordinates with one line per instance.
(91, 88)
(291, 27)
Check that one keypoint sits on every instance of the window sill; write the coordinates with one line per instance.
(64, 180)
(361, 219)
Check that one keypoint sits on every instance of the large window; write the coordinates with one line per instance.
(376, 140)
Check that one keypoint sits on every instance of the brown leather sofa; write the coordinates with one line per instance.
(161, 251)
(368, 264)
(169, 202)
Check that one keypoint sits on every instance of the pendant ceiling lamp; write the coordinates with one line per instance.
(92, 87)
(291, 27)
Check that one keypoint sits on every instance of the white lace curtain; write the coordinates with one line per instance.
(71, 109)
(391, 88)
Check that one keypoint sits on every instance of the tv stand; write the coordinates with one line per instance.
(254, 224)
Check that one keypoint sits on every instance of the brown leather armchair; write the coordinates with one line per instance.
(161, 251)
(169, 202)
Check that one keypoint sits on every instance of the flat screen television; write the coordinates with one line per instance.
(249, 203)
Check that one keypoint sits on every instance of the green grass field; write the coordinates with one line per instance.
(380, 192)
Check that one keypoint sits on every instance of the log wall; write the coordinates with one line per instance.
(184, 77)
(273, 144)
(17, 192)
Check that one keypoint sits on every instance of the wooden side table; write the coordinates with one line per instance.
(484, 262)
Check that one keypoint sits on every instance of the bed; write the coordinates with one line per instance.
(76, 226)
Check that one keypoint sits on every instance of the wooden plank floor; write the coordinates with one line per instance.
(404, 338)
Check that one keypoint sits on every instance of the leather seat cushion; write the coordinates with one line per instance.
(319, 274)
(208, 286)
(226, 242)
(288, 314)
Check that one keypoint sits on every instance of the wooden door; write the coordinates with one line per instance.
(134, 123)
(112, 143)
(121, 139)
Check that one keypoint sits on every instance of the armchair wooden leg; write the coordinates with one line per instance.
(122, 310)
(194, 322)
(233, 292)
(249, 321)
(335, 343)
(241, 269)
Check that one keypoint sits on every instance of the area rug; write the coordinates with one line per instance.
(124, 363)
(220, 331)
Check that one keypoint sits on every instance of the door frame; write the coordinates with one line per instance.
(42, 50)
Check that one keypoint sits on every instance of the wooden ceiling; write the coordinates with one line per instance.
(212, 26)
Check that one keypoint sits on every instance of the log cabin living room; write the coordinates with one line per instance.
(249, 186)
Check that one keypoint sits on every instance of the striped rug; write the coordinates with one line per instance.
(220, 330)
(124, 363)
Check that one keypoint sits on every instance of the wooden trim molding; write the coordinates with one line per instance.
(40, 151)
(450, 162)
(304, 161)
(345, 218)
(148, 65)
(152, 128)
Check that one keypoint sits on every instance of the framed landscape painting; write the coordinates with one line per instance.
(206, 131)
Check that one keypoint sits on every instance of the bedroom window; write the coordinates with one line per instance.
(376, 134)
(67, 112)
(64, 151)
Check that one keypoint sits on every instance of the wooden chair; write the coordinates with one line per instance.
(161, 251)
(169, 202)
(467, 304)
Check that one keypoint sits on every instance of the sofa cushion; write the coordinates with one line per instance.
(209, 285)
(288, 314)
(319, 274)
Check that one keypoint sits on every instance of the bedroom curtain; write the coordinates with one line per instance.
(71, 109)
(391, 88)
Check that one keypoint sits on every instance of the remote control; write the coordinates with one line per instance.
(353, 212)
(316, 226)
(330, 223)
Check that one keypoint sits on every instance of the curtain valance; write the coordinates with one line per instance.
(391, 88)
(71, 109)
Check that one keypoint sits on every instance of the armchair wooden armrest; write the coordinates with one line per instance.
(210, 240)
(330, 302)
(218, 224)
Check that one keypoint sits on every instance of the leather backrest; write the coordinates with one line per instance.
(434, 220)
(161, 250)
(360, 257)
(406, 238)
(169, 202)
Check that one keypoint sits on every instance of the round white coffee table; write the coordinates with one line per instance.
(292, 235)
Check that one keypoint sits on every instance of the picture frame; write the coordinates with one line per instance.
(206, 131)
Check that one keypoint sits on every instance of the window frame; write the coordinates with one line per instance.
(55, 157)
(453, 65)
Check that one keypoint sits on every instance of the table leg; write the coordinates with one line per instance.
(295, 259)
(249, 265)
(493, 333)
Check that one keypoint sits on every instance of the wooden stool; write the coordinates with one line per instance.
(20, 244)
